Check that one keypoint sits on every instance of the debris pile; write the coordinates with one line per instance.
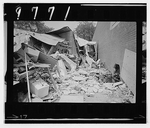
(60, 77)
(86, 83)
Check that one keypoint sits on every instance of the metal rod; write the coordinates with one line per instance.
(27, 79)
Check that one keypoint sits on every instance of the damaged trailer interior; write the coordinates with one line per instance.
(52, 67)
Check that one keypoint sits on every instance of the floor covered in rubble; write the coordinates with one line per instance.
(82, 85)
(41, 76)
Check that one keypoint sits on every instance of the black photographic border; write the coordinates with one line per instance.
(75, 112)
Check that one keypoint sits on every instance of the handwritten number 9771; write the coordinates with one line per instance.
(35, 11)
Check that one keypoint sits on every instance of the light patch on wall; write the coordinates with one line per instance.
(128, 71)
(113, 24)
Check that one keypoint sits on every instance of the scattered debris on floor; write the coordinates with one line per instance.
(82, 85)
(61, 78)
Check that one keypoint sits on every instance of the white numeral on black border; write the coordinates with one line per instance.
(36, 10)
(52, 11)
(18, 11)
(67, 12)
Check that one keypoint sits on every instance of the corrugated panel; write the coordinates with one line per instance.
(112, 43)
